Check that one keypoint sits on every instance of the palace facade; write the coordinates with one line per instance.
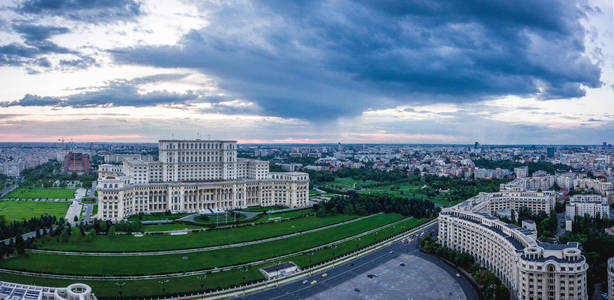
(195, 176)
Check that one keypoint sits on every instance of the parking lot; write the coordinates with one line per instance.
(418, 279)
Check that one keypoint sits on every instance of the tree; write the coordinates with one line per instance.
(64, 235)
(20, 244)
(111, 232)
(91, 234)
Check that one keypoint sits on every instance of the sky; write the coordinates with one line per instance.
(277, 71)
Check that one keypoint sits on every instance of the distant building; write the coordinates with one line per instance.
(592, 205)
(550, 152)
(529, 224)
(521, 172)
(76, 163)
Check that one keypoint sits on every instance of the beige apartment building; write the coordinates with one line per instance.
(195, 176)
(530, 269)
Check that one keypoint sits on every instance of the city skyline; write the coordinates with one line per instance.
(349, 72)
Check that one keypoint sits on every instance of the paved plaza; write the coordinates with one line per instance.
(418, 279)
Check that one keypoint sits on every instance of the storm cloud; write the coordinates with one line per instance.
(324, 60)
(92, 11)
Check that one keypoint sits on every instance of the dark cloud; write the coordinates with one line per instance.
(36, 48)
(115, 93)
(91, 11)
(343, 57)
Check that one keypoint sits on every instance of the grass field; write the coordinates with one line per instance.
(156, 217)
(24, 210)
(168, 227)
(193, 240)
(262, 208)
(41, 193)
(218, 219)
(159, 264)
(288, 214)
(405, 190)
(107, 288)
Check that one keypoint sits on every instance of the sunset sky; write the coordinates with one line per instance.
(494, 71)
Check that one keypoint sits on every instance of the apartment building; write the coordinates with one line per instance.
(592, 205)
(530, 269)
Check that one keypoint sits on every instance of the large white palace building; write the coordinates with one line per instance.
(529, 268)
(195, 176)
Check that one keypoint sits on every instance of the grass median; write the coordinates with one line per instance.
(160, 264)
(128, 243)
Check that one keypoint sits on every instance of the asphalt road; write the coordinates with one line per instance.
(347, 271)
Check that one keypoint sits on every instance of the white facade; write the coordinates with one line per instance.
(15, 291)
(530, 269)
(195, 176)
(592, 205)
(535, 201)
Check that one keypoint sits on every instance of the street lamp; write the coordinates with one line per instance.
(334, 251)
(120, 284)
(202, 280)
(163, 283)
(244, 271)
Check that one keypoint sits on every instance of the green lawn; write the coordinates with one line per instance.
(217, 219)
(405, 190)
(158, 264)
(193, 240)
(24, 210)
(107, 288)
(262, 208)
(349, 183)
(41, 193)
(152, 287)
(167, 227)
(288, 214)
(156, 217)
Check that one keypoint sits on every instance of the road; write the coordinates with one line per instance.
(351, 272)
(8, 190)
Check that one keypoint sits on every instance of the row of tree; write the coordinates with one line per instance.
(597, 247)
(15, 228)
(362, 204)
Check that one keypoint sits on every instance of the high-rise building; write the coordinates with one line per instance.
(195, 176)
(550, 152)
